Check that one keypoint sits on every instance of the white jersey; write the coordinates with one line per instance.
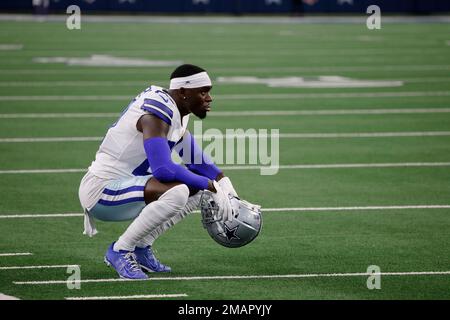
(122, 153)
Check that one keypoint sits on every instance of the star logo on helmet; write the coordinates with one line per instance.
(230, 234)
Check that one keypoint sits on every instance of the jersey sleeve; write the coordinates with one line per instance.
(159, 108)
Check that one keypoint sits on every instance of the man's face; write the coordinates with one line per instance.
(198, 101)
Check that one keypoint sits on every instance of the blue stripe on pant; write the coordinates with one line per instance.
(121, 200)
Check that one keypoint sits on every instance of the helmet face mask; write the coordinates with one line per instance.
(244, 227)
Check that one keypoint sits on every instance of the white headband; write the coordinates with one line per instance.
(197, 80)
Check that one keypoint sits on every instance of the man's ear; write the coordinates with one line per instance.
(182, 92)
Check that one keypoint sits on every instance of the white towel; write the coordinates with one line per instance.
(89, 225)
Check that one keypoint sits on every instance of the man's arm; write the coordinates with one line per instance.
(164, 169)
(155, 131)
(198, 162)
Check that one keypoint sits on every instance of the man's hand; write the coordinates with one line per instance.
(222, 200)
(227, 186)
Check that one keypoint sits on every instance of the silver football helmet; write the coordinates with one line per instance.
(245, 226)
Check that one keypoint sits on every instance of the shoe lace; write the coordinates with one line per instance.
(130, 257)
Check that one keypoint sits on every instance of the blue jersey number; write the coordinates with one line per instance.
(162, 94)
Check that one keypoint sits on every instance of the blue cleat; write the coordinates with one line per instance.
(124, 262)
(148, 261)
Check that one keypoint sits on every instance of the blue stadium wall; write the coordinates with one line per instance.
(233, 6)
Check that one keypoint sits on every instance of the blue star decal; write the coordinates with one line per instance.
(230, 234)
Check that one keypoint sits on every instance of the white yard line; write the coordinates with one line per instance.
(326, 112)
(42, 171)
(281, 136)
(260, 96)
(343, 166)
(254, 113)
(38, 267)
(422, 80)
(289, 209)
(63, 98)
(60, 115)
(15, 254)
(141, 296)
(275, 96)
(47, 215)
(408, 207)
(249, 167)
(10, 47)
(241, 277)
(27, 84)
(244, 70)
(132, 52)
(362, 134)
(50, 139)
(328, 69)
(6, 297)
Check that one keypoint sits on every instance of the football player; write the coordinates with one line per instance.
(134, 178)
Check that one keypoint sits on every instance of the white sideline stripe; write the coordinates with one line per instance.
(247, 167)
(38, 267)
(15, 254)
(239, 113)
(410, 50)
(261, 96)
(355, 208)
(282, 136)
(142, 296)
(274, 276)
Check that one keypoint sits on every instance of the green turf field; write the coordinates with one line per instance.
(337, 220)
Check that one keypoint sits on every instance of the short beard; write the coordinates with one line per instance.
(201, 116)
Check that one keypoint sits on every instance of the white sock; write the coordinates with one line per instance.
(192, 204)
(152, 216)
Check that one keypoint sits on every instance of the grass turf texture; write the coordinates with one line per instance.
(291, 242)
